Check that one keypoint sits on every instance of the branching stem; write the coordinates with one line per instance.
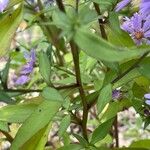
(75, 54)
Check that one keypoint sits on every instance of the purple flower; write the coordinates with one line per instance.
(122, 4)
(27, 68)
(22, 80)
(147, 102)
(30, 58)
(116, 94)
(147, 97)
(138, 27)
(3, 4)
(145, 7)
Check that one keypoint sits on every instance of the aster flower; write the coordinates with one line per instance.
(122, 4)
(3, 4)
(138, 27)
(145, 7)
(147, 97)
(27, 69)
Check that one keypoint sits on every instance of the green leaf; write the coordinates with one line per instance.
(105, 148)
(13, 2)
(5, 73)
(106, 5)
(144, 69)
(130, 149)
(4, 126)
(114, 108)
(9, 24)
(38, 141)
(114, 21)
(102, 50)
(117, 36)
(71, 147)
(146, 122)
(65, 122)
(66, 139)
(141, 144)
(4, 97)
(45, 67)
(86, 15)
(52, 94)
(138, 91)
(37, 120)
(16, 113)
(81, 140)
(104, 97)
(127, 78)
(101, 131)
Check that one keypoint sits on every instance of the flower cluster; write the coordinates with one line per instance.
(27, 68)
(138, 26)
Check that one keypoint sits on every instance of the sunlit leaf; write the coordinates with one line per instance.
(9, 24)
(36, 122)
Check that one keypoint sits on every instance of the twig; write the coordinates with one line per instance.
(8, 136)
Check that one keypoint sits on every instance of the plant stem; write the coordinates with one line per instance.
(39, 90)
(60, 5)
(102, 29)
(75, 53)
(116, 132)
(8, 136)
(77, 5)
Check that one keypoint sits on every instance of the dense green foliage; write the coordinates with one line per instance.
(82, 58)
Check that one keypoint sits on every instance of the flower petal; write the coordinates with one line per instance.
(147, 96)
